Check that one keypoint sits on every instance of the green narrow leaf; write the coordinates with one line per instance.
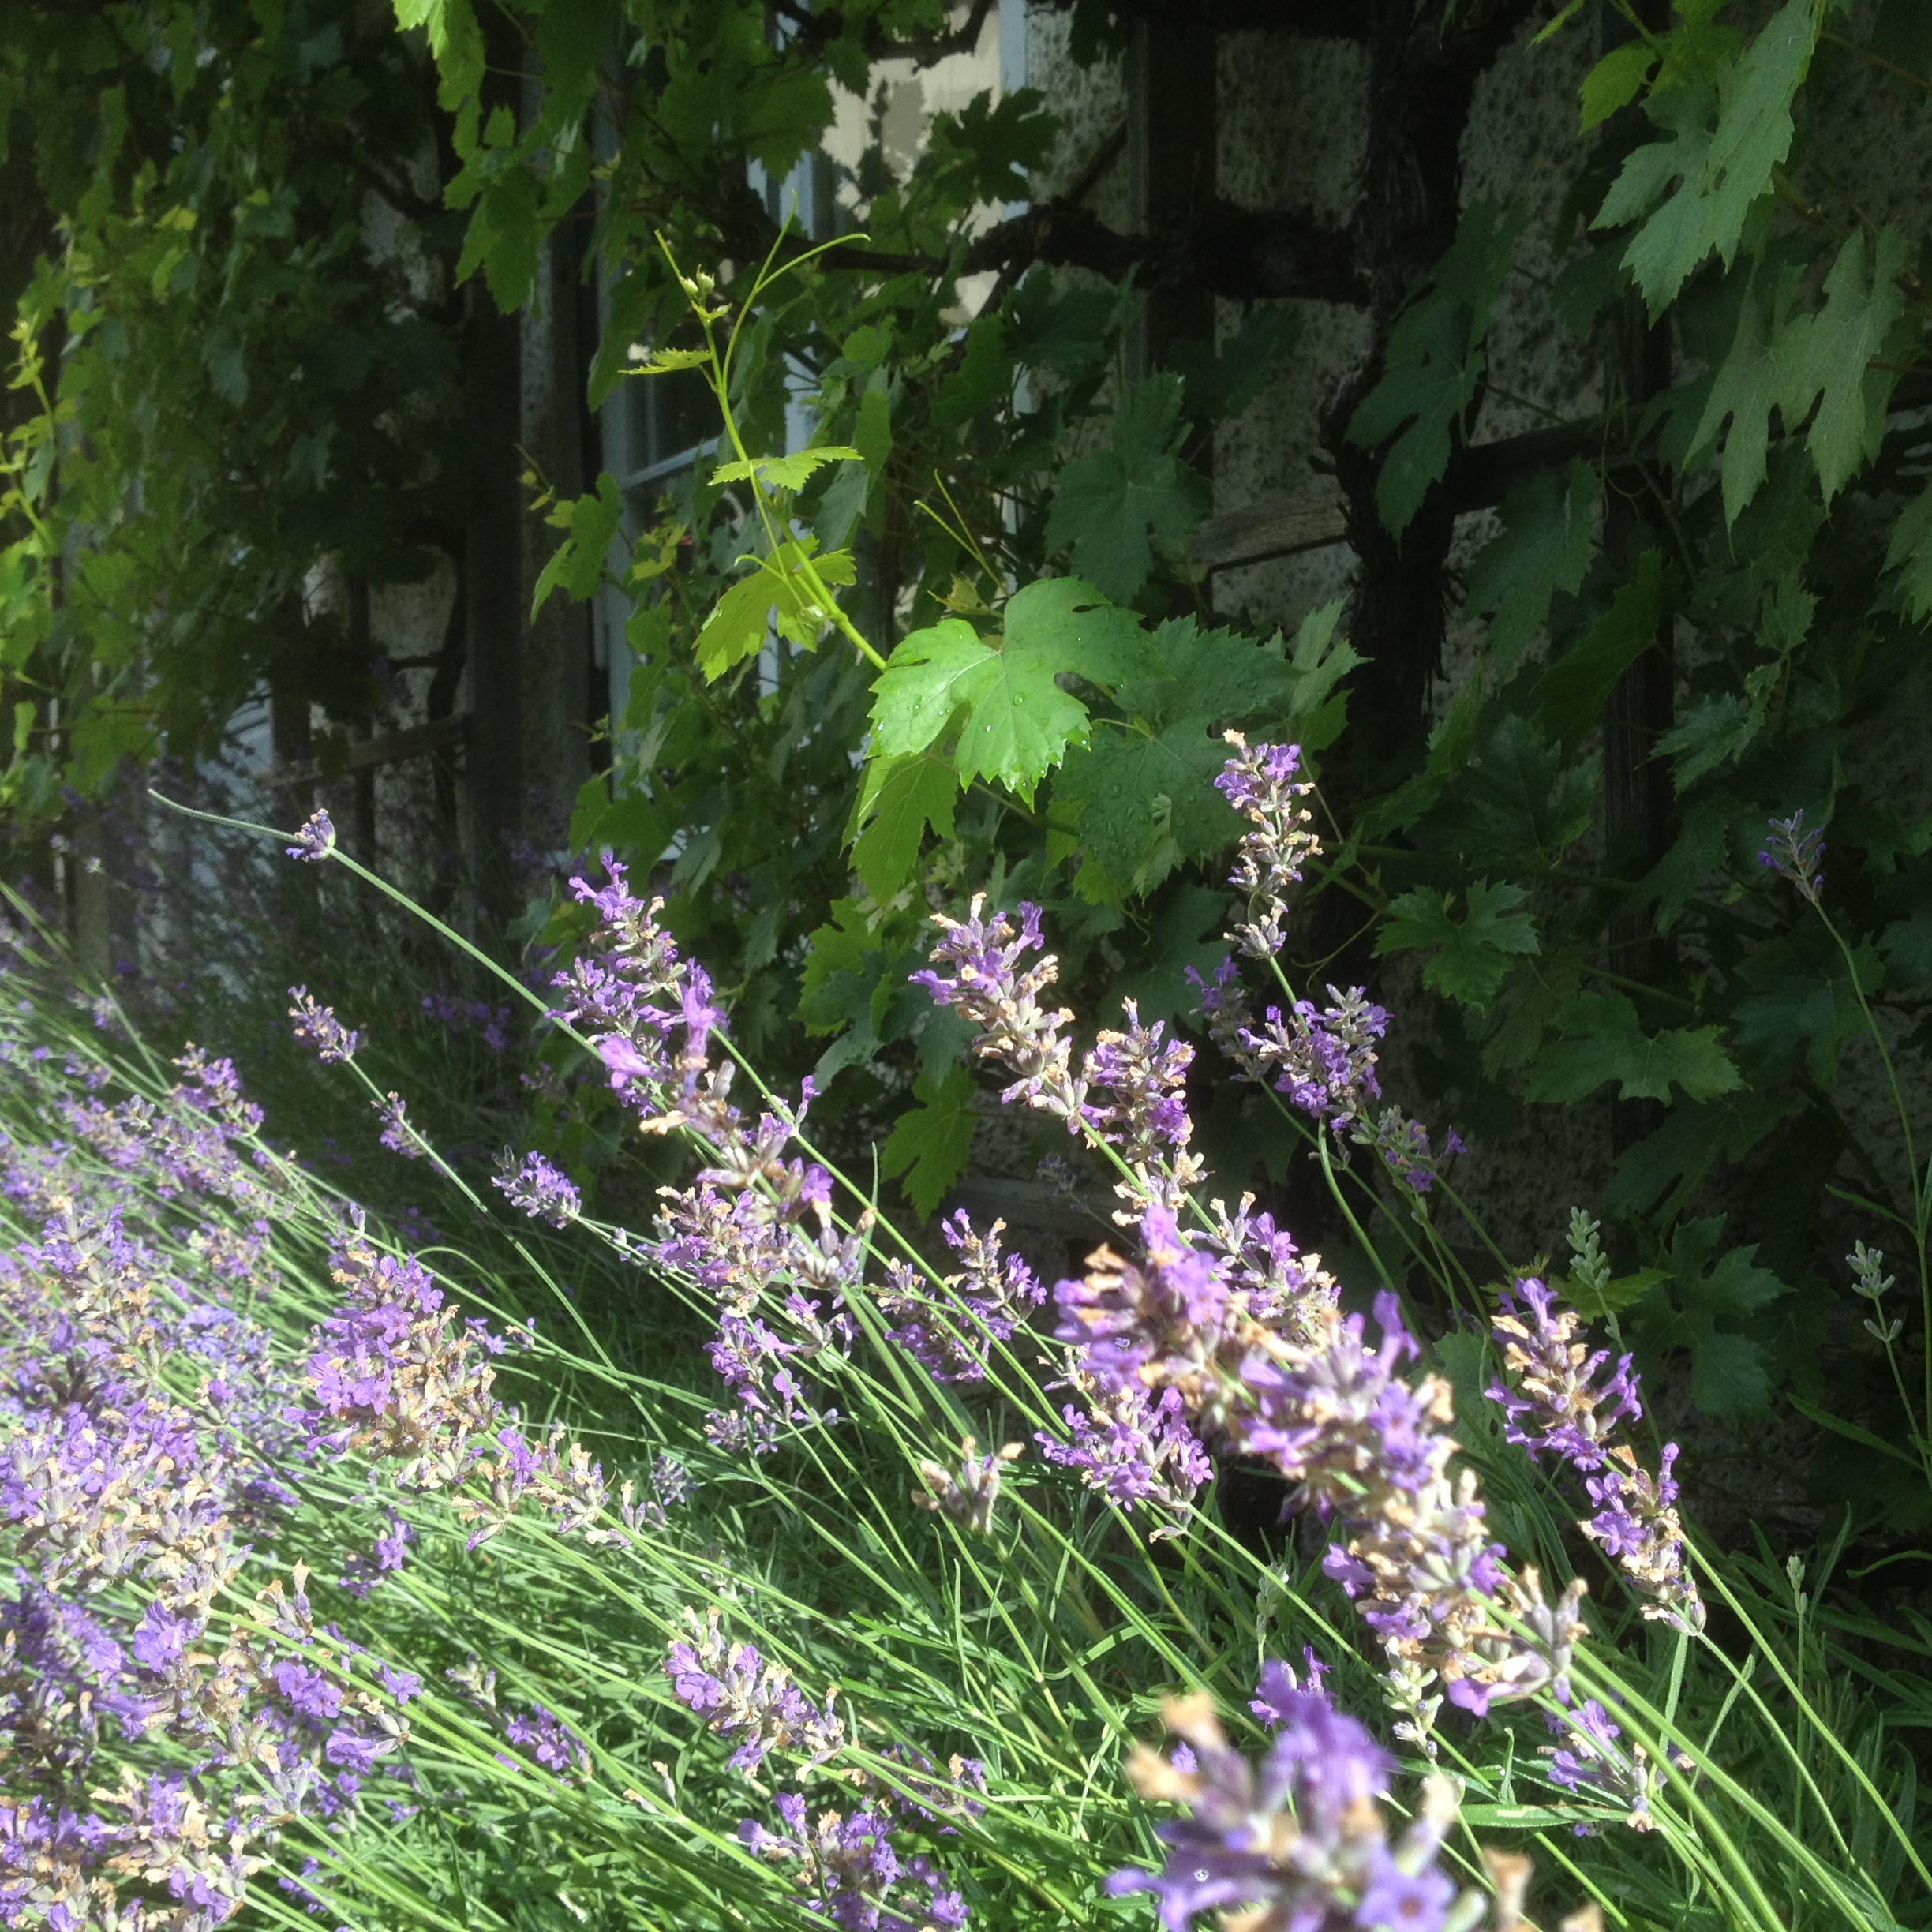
(931, 1143)
(872, 434)
(663, 361)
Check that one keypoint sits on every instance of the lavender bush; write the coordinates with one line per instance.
(364, 1584)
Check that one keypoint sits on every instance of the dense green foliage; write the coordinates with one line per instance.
(1026, 684)
(1039, 1643)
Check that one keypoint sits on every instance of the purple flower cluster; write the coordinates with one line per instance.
(1145, 1114)
(847, 1871)
(1298, 1842)
(1568, 1402)
(985, 985)
(1260, 783)
(755, 1229)
(538, 1732)
(316, 1027)
(738, 1694)
(990, 1297)
(395, 1374)
(1592, 1761)
(144, 1450)
(540, 1190)
(845, 1865)
(1366, 1449)
(649, 1014)
(316, 839)
(1323, 1060)
(1135, 1449)
(549, 1740)
(399, 1133)
(399, 1376)
(1795, 853)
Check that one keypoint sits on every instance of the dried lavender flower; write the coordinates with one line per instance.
(316, 1027)
(966, 1494)
(1566, 1403)
(988, 987)
(950, 1334)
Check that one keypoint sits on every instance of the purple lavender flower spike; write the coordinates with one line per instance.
(848, 1871)
(1322, 1060)
(399, 1133)
(1795, 854)
(316, 839)
(549, 1740)
(738, 1694)
(1261, 785)
(988, 987)
(951, 1335)
(1223, 1001)
(316, 1027)
(1134, 1449)
(1592, 1761)
(1300, 1839)
(540, 1190)
(1568, 1402)
(1144, 1073)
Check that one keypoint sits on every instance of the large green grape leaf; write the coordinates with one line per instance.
(1548, 529)
(900, 798)
(1723, 142)
(932, 1142)
(1604, 1040)
(1470, 955)
(1017, 722)
(1843, 347)
(1434, 364)
(1572, 691)
(1704, 1309)
(1144, 787)
(1114, 507)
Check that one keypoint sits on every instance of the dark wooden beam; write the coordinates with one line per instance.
(367, 755)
